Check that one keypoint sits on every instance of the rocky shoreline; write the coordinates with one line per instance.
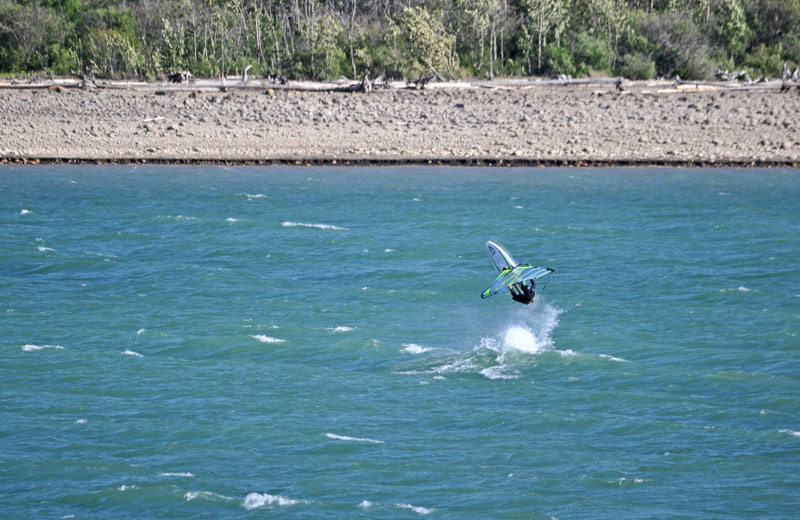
(591, 124)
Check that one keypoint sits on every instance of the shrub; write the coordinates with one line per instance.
(637, 65)
(679, 46)
(591, 53)
(558, 60)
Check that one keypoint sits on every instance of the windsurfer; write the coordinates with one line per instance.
(526, 293)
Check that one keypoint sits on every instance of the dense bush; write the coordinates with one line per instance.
(328, 38)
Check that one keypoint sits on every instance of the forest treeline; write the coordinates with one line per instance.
(324, 39)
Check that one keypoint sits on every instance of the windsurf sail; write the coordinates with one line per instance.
(509, 277)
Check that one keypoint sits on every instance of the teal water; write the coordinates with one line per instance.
(310, 342)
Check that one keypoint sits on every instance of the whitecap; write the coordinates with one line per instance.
(741, 288)
(132, 353)
(267, 339)
(417, 509)
(256, 196)
(351, 439)
(791, 432)
(125, 487)
(413, 348)
(499, 372)
(33, 348)
(186, 474)
(25, 212)
(43, 249)
(80, 421)
(140, 332)
(613, 358)
(365, 504)
(567, 353)
(339, 329)
(318, 226)
(231, 219)
(388, 250)
(256, 500)
(191, 495)
(523, 340)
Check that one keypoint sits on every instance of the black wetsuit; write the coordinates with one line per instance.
(528, 293)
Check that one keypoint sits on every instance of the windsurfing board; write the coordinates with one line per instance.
(500, 257)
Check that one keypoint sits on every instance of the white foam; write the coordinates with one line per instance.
(267, 339)
(791, 432)
(43, 249)
(125, 487)
(318, 226)
(191, 495)
(613, 358)
(365, 504)
(523, 340)
(186, 474)
(413, 348)
(339, 329)
(231, 219)
(80, 421)
(132, 353)
(741, 288)
(498, 372)
(531, 337)
(140, 332)
(256, 196)
(24, 212)
(351, 439)
(567, 353)
(417, 509)
(33, 348)
(387, 250)
(256, 500)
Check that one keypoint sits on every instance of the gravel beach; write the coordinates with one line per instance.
(569, 124)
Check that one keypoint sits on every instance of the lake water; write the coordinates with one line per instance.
(211, 342)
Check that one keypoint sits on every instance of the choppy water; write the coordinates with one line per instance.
(255, 342)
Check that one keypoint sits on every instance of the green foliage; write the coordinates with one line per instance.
(111, 54)
(637, 65)
(314, 38)
(733, 32)
(558, 60)
(591, 54)
(422, 39)
(765, 61)
(679, 45)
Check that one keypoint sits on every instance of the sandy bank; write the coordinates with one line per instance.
(595, 124)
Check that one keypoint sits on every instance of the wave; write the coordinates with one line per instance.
(791, 432)
(25, 212)
(191, 495)
(256, 196)
(365, 504)
(417, 509)
(132, 353)
(267, 339)
(413, 348)
(33, 348)
(318, 226)
(339, 329)
(256, 500)
(186, 474)
(351, 439)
